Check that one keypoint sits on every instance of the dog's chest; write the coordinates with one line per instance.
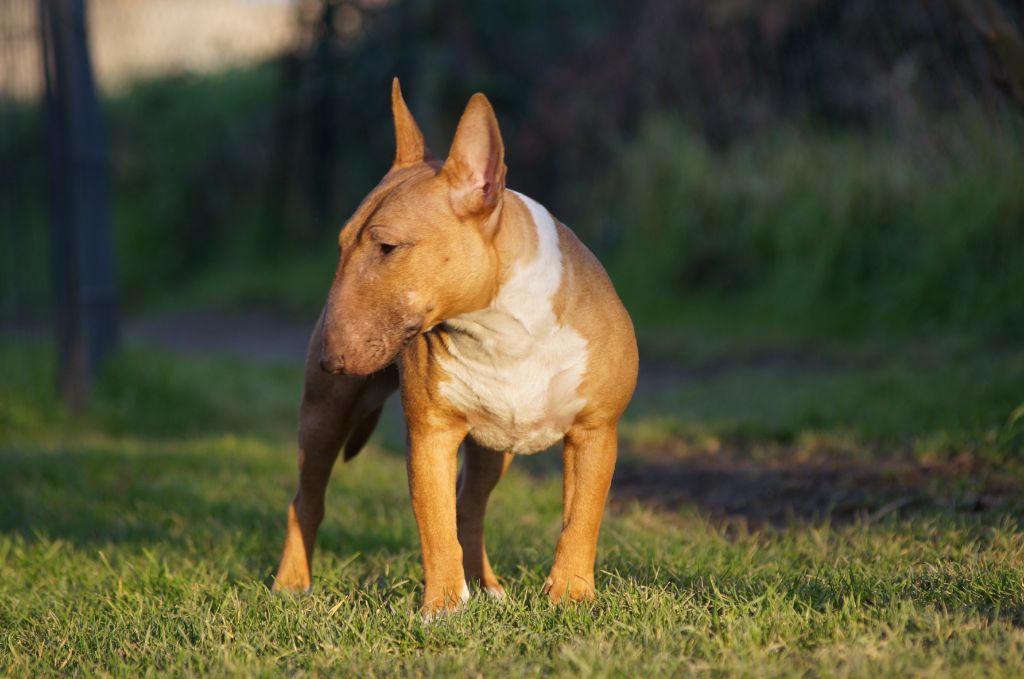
(517, 390)
(513, 369)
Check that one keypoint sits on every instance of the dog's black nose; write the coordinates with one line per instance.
(332, 364)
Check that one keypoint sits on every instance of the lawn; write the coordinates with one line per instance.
(778, 511)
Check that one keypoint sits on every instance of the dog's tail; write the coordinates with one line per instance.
(361, 433)
(357, 407)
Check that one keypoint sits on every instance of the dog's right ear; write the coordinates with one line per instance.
(476, 162)
(409, 145)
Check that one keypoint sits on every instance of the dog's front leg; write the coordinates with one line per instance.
(433, 465)
(589, 459)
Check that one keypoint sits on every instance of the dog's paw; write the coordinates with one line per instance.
(488, 585)
(493, 591)
(293, 585)
(444, 601)
(561, 587)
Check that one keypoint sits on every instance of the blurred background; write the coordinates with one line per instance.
(813, 209)
(761, 178)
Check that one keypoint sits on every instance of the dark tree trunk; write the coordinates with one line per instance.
(83, 262)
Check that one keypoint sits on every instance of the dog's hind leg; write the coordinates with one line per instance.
(589, 463)
(481, 470)
(335, 410)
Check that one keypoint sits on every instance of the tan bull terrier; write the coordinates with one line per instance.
(503, 332)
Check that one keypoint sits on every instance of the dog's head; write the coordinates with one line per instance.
(418, 250)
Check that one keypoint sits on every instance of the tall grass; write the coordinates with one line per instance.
(827, 231)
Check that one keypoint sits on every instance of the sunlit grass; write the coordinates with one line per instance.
(124, 558)
(141, 538)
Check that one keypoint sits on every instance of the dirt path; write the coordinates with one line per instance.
(252, 335)
(789, 488)
(265, 335)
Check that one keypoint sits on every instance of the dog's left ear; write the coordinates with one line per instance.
(409, 145)
(476, 162)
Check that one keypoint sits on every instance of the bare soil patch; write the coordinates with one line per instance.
(789, 487)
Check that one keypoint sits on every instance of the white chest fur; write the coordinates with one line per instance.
(514, 369)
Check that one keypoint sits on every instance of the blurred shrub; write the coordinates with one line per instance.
(826, 231)
(842, 231)
(189, 165)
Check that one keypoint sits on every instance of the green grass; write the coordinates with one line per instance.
(294, 285)
(140, 537)
(826, 233)
(964, 399)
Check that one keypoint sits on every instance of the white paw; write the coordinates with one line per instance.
(495, 592)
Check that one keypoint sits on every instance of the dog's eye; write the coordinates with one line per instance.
(386, 248)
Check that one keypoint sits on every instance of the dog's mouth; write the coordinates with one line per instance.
(410, 333)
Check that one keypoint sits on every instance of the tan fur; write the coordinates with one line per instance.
(431, 244)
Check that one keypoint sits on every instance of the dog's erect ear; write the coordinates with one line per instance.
(409, 145)
(476, 161)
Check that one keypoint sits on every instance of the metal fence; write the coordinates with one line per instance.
(130, 40)
(22, 175)
(54, 169)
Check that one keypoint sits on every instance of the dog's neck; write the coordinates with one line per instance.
(529, 266)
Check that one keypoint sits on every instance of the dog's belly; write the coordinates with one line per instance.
(518, 393)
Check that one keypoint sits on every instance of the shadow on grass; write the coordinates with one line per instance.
(203, 493)
(206, 500)
(185, 499)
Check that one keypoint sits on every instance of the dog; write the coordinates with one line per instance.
(503, 333)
